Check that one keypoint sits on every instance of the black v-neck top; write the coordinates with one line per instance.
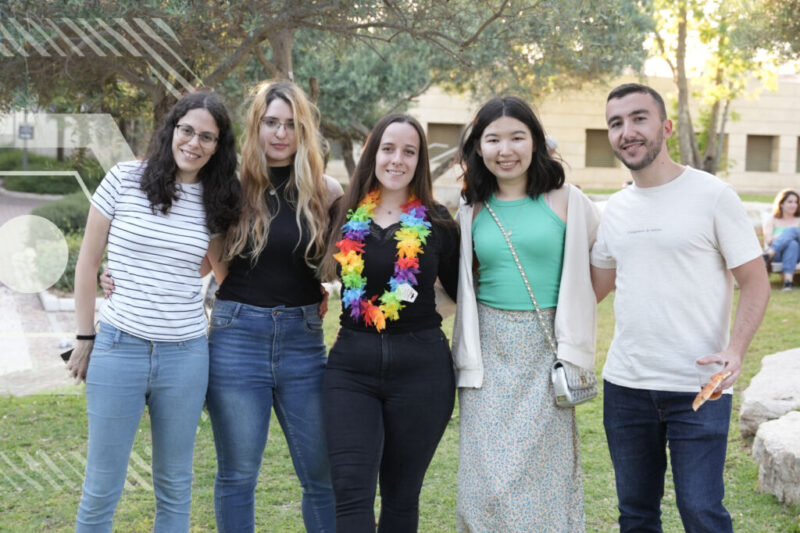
(439, 258)
(280, 276)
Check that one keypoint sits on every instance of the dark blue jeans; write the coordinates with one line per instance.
(388, 399)
(262, 358)
(640, 424)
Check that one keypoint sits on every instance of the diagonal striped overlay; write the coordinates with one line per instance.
(26, 471)
(38, 471)
(139, 38)
(96, 131)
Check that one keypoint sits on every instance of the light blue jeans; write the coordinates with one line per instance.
(262, 358)
(787, 249)
(125, 374)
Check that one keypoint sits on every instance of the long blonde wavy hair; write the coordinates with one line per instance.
(306, 189)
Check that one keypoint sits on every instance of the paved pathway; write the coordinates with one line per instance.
(30, 337)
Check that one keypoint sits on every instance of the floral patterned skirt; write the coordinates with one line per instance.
(519, 467)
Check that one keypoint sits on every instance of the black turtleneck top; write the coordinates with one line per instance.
(280, 275)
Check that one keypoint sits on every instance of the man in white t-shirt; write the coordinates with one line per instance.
(671, 245)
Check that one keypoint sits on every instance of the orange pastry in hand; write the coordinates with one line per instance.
(709, 390)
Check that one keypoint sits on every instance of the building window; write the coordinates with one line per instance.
(761, 153)
(797, 157)
(598, 151)
(443, 137)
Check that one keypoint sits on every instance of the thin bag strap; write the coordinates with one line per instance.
(547, 333)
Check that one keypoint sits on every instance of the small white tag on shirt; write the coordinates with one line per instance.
(407, 292)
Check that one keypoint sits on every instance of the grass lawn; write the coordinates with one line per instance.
(43, 447)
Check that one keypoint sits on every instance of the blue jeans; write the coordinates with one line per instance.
(639, 425)
(262, 358)
(125, 374)
(787, 249)
(388, 399)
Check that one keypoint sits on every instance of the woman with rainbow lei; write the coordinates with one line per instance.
(389, 386)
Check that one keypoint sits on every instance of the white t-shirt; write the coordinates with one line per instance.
(153, 258)
(673, 247)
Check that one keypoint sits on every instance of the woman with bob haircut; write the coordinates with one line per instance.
(157, 217)
(782, 235)
(265, 340)
(389, 387)
(519, 468)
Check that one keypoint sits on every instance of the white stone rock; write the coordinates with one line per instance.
(776, 449)
(773, 392)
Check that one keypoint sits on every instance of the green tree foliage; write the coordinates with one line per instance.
(367, 57)
(728, 32)
(782, 17)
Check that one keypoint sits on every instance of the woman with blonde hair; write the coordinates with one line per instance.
(782, 234)
(265, 339)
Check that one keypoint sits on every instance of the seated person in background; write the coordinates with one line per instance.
(782, 235)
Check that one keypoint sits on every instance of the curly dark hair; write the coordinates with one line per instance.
(544, 173)
(221, 189)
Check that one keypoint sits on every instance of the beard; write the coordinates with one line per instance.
(653, 149)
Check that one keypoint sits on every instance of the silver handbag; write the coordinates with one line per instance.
(572, 385)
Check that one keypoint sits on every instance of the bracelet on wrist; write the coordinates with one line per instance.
(85, 337)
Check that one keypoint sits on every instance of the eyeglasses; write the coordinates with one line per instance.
(273, 124)
(187, 133)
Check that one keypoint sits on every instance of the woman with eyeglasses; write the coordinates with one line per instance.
(266, 344)
(157, 218)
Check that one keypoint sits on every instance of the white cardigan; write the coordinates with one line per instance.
(576, 312)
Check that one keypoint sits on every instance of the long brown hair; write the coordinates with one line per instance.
(777, 210)
(364, 180)
(306, 189)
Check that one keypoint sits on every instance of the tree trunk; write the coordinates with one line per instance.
(688, 144)
(710, 156)
(281, 43)
(442, 167)
(162, 103)
(347, 155)
(710, 162)
(721, 136)
(60, 140)
(313, 89)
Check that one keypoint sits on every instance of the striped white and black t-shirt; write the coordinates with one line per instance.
(153, 258)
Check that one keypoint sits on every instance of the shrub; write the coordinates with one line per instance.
(68, 213)
(66, 282)
(89, 169)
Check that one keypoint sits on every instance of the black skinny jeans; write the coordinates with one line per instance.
(387, 399)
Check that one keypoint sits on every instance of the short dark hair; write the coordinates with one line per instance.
(627, 88)
(544, 172)
(221, 190)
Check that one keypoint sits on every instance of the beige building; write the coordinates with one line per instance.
(762, 146)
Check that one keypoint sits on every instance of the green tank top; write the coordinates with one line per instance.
(538, 237)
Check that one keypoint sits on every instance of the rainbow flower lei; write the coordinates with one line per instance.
(413, 232)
